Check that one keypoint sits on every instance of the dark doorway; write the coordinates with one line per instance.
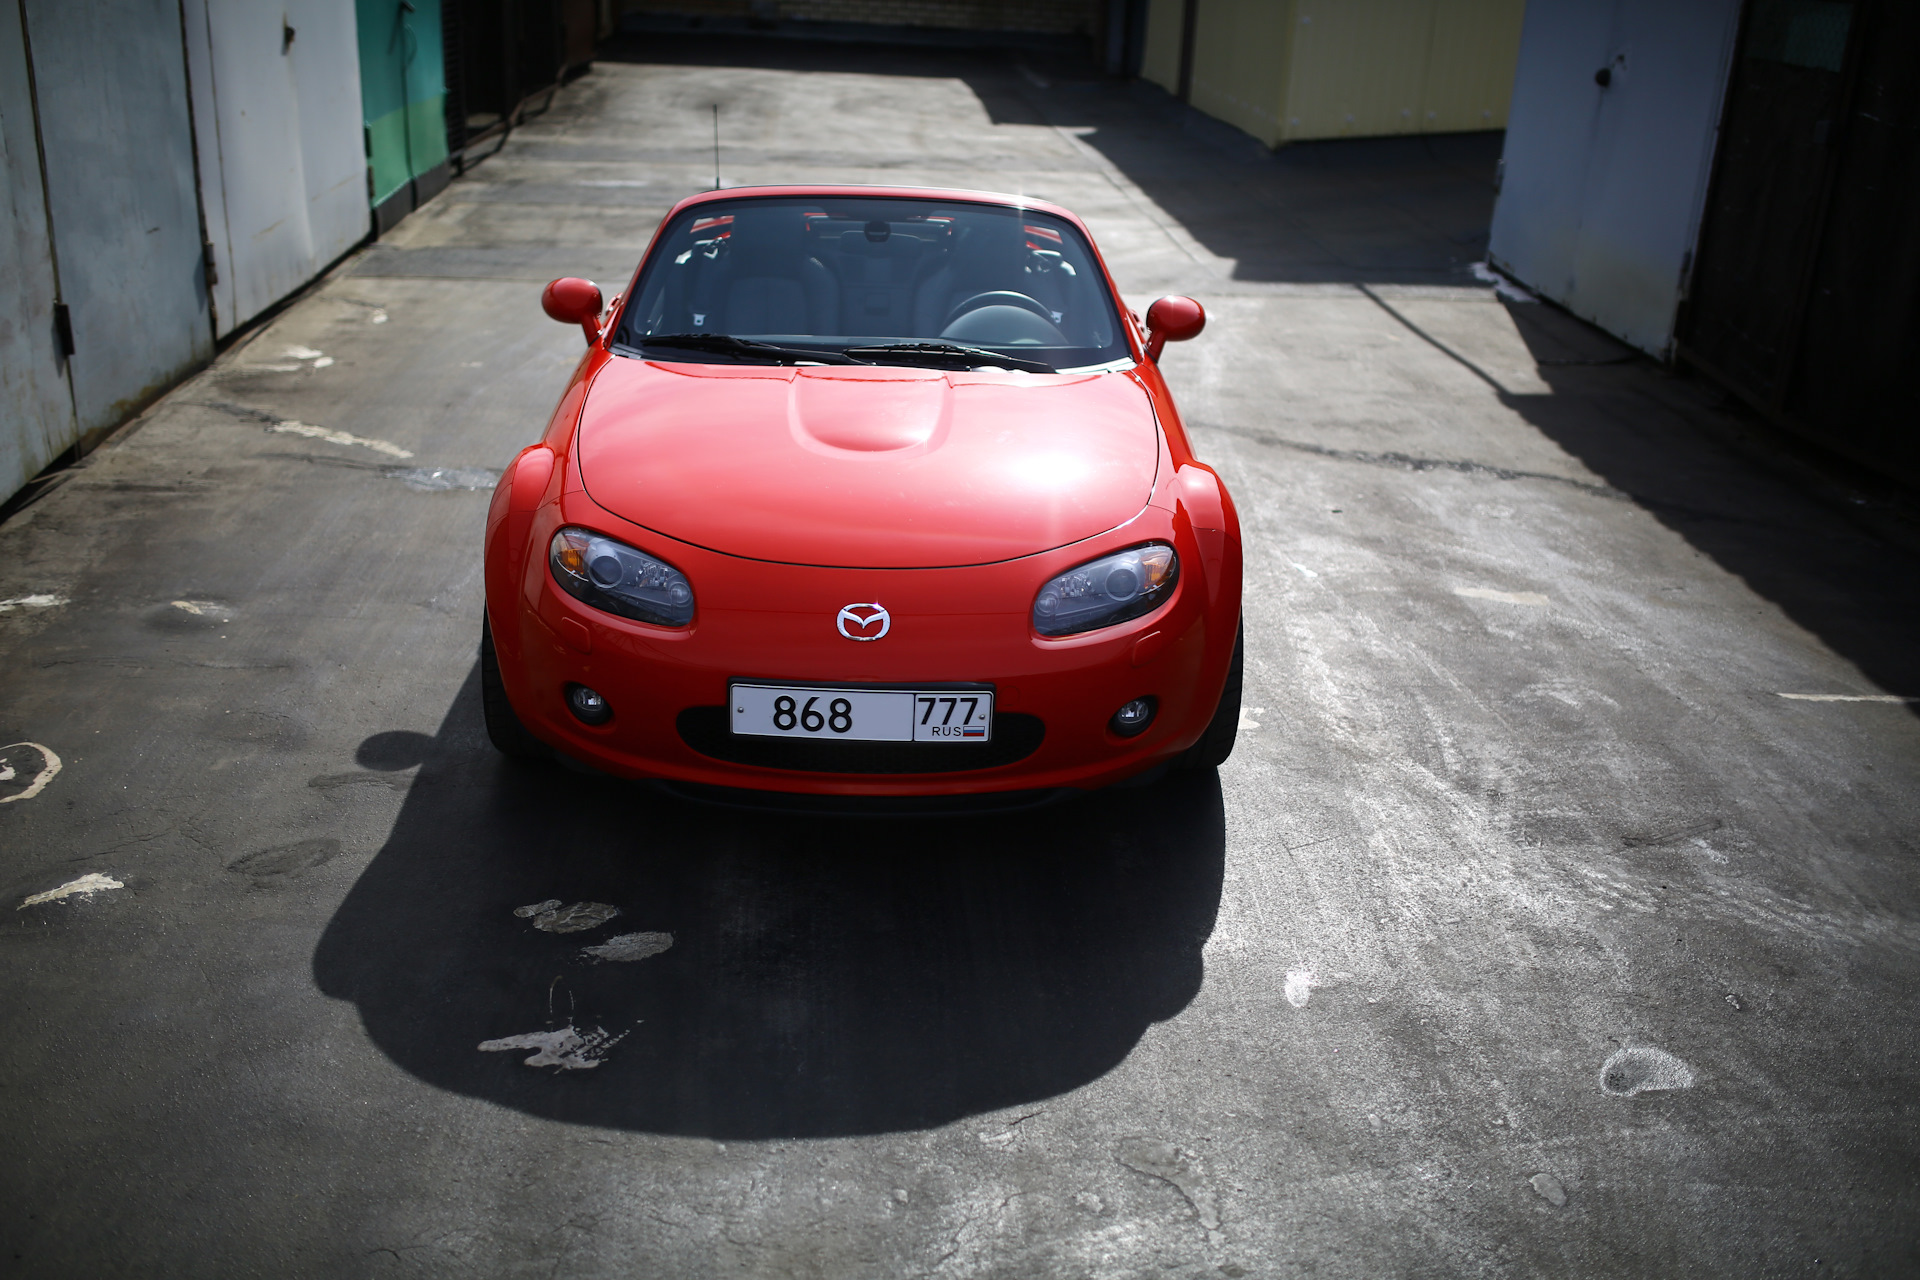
(1804, 294)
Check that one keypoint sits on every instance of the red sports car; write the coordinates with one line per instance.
(869, 492)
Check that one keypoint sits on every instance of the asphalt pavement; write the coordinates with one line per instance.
(1558, 913)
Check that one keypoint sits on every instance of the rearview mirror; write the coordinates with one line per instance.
(572, 300)
(1173, 319)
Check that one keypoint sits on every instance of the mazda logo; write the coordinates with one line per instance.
(864, 621)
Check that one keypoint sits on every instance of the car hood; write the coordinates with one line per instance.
(867, 467)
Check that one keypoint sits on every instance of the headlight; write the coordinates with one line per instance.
(1105, 591)
(613, 576)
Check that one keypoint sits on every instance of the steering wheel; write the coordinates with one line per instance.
(1000, 298)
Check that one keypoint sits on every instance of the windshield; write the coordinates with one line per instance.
(872, 280)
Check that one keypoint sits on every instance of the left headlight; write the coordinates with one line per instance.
(613, 576)
(1103, 592)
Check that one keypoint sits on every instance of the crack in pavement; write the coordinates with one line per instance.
(1411, 462)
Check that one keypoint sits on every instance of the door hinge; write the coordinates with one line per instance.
(206, 258)
(63, 330)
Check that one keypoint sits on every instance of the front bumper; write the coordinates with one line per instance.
(760, 621)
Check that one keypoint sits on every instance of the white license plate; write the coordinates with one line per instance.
(862, 715)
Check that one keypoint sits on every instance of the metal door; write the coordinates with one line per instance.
(276, 96)
(1609, 146)
(36, 406)
(111, 90)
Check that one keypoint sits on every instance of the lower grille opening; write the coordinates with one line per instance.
(1015, 737)
(979, 804)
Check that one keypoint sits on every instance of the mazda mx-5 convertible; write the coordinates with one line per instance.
(865, 492)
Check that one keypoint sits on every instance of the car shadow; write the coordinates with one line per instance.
(825, 977)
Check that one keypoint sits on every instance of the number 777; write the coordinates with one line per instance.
(928, 705)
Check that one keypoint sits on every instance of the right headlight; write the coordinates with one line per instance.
(1103, 592)
(613, 576)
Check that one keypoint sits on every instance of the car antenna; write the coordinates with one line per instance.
(716, 146)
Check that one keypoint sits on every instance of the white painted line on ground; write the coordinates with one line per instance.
(1533, 598)
(312, 432)
(1847, 697)
(86, 886)
(49, 766)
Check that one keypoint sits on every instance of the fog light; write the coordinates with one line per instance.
(587, 706)
(1132, 719)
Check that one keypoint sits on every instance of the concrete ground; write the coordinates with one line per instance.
(1558, 913)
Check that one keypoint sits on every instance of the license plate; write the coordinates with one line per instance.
(862, 715)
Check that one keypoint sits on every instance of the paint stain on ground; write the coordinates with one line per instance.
(1502, 286)
(41, 600)
(627, 947)
(85, 887)
(567, 1049)
(443, 479)
(285, 860)
(1549, 1189)
(25, 770)
(577, 917)
(189, 615)
(1175, 1167)
(1643, 1069)
(1533, 598)
(1299, 987)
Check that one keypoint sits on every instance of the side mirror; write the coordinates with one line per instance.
(1172, 319)
(571, 300)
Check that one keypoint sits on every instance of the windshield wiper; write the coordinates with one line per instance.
(916, 352)
(727, 345)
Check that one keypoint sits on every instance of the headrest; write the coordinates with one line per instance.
(768, 241)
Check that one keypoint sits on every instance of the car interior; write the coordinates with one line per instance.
(863, 272)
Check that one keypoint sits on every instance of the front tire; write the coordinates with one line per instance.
(1216, 744)
(510, 738)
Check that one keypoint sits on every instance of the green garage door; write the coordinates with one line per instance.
(403, 93)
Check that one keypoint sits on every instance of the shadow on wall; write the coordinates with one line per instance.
(1405, 210)
(1402, 210)
(824, 978)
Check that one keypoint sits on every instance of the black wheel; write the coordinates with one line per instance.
(1216, 744)
(510, 737)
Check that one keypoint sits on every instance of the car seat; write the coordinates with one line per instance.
(774, 285)
(991, 254)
